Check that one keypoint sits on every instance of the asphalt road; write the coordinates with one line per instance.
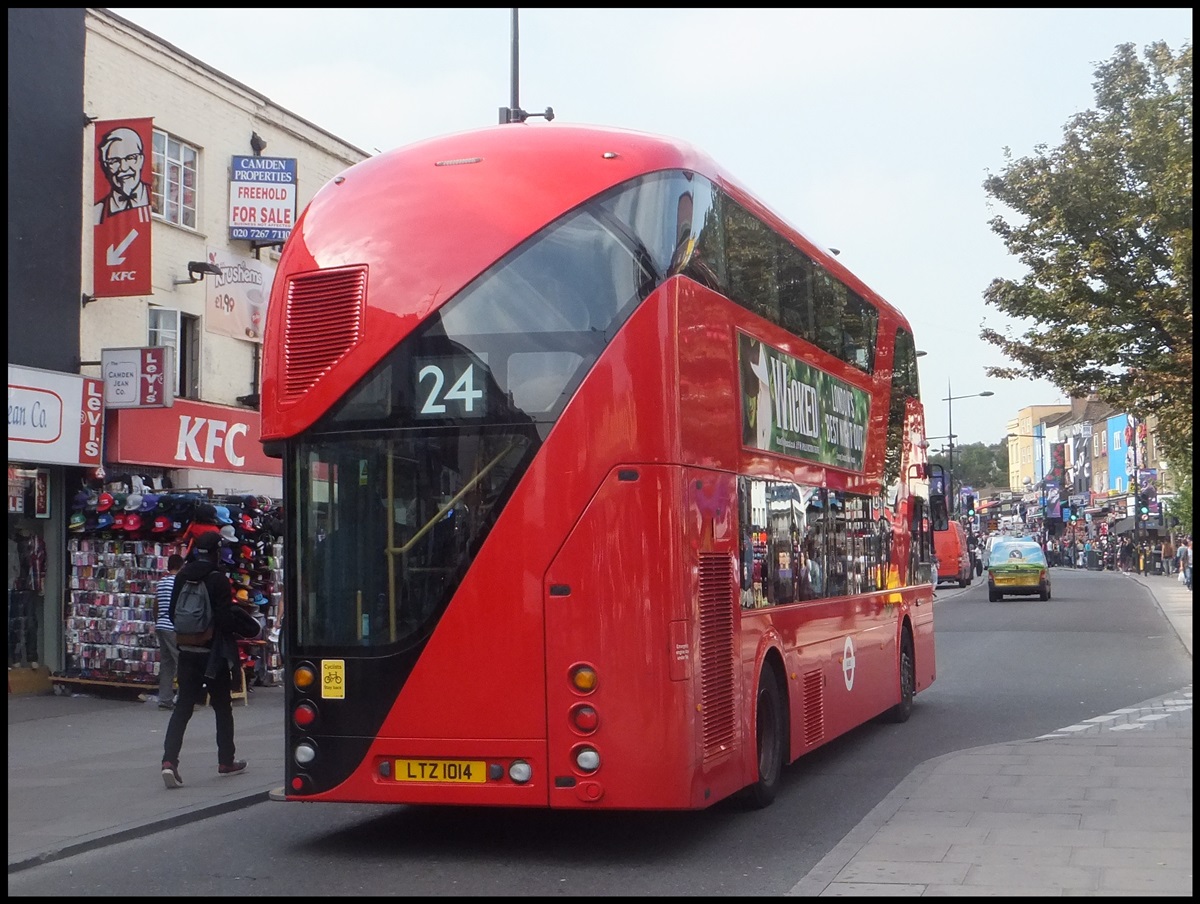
(1007, 670)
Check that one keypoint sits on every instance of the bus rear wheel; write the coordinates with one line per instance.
(771, 740)
(908, 681)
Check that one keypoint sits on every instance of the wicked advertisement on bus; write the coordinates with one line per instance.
(792, 408)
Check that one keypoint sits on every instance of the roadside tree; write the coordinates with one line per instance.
(1104, 225)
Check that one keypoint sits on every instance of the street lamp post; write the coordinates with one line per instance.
(950, 399)
(1041, 460)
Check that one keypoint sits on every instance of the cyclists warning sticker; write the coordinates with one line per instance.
(333, 679)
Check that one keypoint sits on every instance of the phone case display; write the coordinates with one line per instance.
(118, 549)
(111, 610)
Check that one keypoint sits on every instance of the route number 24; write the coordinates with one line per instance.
(462, 391)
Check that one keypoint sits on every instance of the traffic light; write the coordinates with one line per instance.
(971, 500)
(1143, 507)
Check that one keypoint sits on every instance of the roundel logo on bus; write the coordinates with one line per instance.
(848, 662)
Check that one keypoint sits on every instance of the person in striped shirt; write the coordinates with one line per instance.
(168, 649)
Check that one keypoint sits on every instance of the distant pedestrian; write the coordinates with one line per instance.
(168, 650)
(1168, 556)
(208, 668)
(1187, 563)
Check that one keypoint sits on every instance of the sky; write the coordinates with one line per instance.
(869, 130)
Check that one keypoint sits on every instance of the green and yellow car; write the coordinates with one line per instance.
(1017, 568)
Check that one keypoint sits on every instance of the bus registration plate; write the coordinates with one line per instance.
(454, 771)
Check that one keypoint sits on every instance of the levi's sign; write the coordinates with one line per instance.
(138, 377)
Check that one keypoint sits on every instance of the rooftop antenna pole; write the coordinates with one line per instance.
(516, 63)
(514, 113)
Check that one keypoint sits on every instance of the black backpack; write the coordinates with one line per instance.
(193, 618)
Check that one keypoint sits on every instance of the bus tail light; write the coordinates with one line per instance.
(304, 677)
(587, 759)
(304, 753)
(583, 679)
(584, 718)
(304, 715)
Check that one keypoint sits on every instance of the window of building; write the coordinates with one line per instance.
(175, 189)
(181, 332)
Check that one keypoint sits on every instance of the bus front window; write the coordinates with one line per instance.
(388, 526)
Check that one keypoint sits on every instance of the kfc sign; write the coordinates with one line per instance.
(121, 215)
(191, 435)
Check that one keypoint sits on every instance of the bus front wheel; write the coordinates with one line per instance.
(771, 738)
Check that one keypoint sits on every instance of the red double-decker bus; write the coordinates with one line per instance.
(605, 487)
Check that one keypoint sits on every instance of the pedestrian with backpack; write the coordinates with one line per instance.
(201, 610)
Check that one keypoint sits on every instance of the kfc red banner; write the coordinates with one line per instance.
(121, 215)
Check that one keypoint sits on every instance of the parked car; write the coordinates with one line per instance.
(1017, 568)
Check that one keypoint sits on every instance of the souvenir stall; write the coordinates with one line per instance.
(119, 540)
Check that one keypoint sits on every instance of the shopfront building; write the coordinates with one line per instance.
(55, 430)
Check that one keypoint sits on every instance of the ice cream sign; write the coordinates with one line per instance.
(237, 299)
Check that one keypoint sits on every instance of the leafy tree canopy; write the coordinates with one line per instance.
(1104, 225)
(977, 465)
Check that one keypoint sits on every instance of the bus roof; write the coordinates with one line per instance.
(427, 218)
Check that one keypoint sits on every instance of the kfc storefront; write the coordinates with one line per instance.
(55, 431)
(197, 445)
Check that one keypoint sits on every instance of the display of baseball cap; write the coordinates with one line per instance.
(77, 521)
(183, 508)
(227, 556)
(162, 524)
(133, 502)
(209, 541)
(80, 501)
(223, 515)
(119, 520)
(119, 500)
(105, 520)
(206, 513)
(133, 521)
(228, 533)
(243, 596)
(149, 502)
(93, 522)
(104, 502)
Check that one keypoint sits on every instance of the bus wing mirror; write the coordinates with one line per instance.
(939, 514)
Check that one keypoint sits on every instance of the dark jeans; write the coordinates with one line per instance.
(192, 687)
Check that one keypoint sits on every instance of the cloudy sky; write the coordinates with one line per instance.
(870, 130)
